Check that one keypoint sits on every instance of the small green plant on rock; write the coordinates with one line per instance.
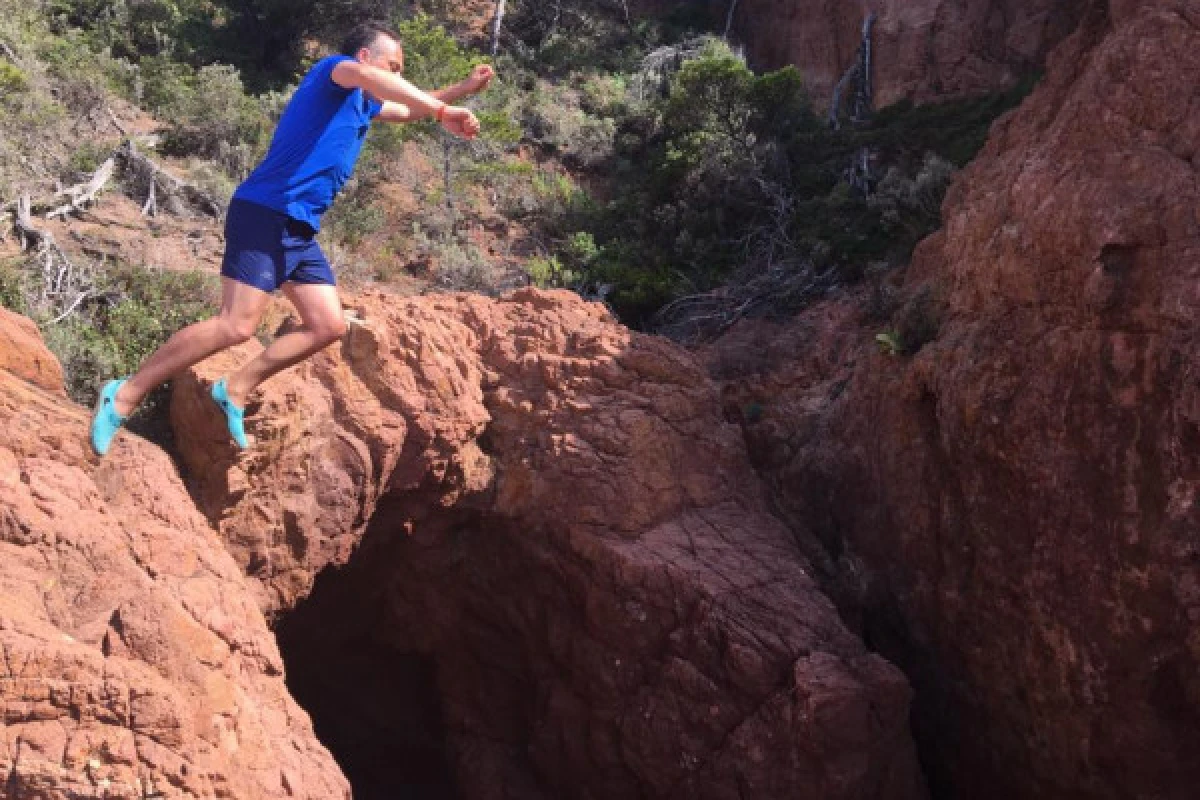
(889, 343)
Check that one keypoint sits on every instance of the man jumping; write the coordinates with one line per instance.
(275, 214)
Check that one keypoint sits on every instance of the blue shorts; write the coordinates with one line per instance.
(265, 248)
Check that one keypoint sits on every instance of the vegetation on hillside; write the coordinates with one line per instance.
(641, 159)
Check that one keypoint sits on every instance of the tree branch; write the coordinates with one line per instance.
(84, 194)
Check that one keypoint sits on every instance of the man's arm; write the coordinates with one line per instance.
(476, 82)
(391, 88)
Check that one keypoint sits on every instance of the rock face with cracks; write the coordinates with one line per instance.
(550, 510)
(1013, 510)
(134, 661)
(923, 49)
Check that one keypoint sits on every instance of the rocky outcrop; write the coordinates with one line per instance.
(23, 355)
(135, 661)
(543, 516)
(923, 49)
(1011, 513)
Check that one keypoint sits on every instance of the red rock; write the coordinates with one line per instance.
(923, 49)
(552, 513)
(23, 353)
(134, 660)
(1013, 510)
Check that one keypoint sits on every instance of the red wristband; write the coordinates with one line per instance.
(441, 112)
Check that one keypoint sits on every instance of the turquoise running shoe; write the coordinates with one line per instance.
(234, 416)
(106, 421)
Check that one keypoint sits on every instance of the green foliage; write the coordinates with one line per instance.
(889, 343)
(572, 36)
(566, 268)
(127, 28)
(209, 113)
(12, 79)
(12, 286)
(580, 249)
(547, 272)
(85, 159)
(106, 340)
(432, 58)
(262, 38)
(698, 166)
(352, 219)
(604, 96)
(554, 121)
(726, 171)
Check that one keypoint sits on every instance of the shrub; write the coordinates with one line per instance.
(919, 321)
(208, 112)
(85, 159)
(351, 220)
(461, 266)
(84, 69)
(107, 339)
(547, 272)
(13, 286)
(12, 79)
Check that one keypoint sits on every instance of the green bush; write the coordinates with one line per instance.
(13, 286)
(85, 159)
(104, 340)
(12, 79)
(350, 222)
(209, 113)
(724, 171)
(548, 272)
(84, 70)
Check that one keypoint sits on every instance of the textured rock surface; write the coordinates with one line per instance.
(23, 354)
(1014, 509)
(135, 662)
(924, 49)
(556, 520)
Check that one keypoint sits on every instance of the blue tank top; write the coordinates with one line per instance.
(315, 146)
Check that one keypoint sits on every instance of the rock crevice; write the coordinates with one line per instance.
(557, 521)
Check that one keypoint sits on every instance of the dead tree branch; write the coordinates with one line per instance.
(497, 21)
(65, 284)
(116, 122)
(177, 195)
(84, 194)
(8, 53)
(30, 235)
(781, 288)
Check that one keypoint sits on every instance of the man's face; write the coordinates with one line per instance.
(385, 53)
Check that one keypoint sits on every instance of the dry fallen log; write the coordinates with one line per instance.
(84, 194)
(30, 235)
(160, 186)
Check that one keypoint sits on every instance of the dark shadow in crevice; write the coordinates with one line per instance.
(373, 704)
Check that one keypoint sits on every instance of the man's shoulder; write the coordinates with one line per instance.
(320, 74)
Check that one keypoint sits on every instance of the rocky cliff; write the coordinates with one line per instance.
(135, 662)
(541, 517)
(923, 49)
(1011, 512)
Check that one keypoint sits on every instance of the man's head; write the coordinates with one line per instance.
(376, 44)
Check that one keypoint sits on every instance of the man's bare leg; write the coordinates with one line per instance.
(322, 324)
(242, 307)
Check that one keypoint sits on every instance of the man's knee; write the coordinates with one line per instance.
(331, 330)
(238, 330)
